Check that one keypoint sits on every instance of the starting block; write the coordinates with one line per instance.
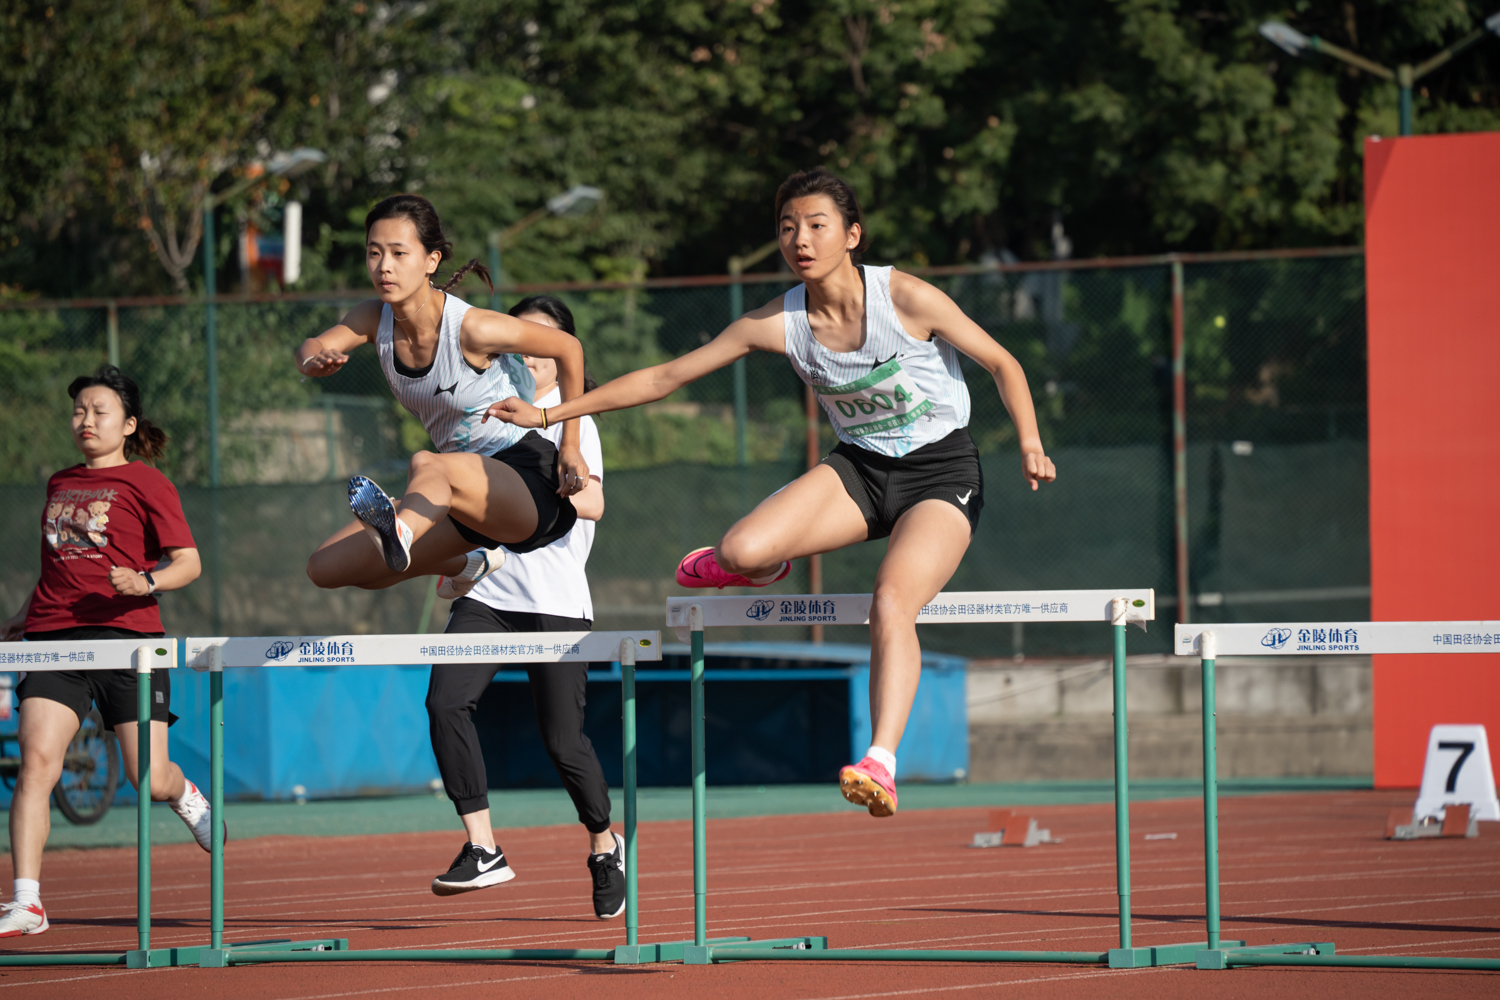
(1012, 829)
(1457, 821)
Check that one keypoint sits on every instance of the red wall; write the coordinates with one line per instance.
(1432, 269)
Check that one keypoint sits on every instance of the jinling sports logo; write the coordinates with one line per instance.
(1276, 638)
(279, 650)
(760, 610)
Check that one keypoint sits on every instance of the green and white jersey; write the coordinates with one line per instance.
(893, 394)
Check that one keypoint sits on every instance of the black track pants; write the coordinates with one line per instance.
(557, 691)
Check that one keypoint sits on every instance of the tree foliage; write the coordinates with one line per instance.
(967, 126)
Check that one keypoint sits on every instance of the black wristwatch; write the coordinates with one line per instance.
(150, 582)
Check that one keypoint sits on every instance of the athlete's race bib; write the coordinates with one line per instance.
(883, 400)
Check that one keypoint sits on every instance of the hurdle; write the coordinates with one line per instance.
(1208, 643)
(109, 654)
(690, 616)
(214, 654)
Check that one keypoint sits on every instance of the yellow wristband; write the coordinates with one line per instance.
(544, 418)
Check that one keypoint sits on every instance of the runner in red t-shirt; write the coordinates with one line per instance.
(113, 535)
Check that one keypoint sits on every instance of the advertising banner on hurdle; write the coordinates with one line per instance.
(400, 650)
(86, 654)
(957, 606)
(1332, 638)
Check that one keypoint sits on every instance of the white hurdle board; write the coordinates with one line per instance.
(86, 654)
(404, 650)
(1337, 638)
(945, 608)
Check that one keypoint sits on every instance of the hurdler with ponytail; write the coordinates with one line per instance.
(486, 486)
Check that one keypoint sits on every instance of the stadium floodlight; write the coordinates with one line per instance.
(1294, 42)
(1284, 37)
(578, 200)
(295, 162)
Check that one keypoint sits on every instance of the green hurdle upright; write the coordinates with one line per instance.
(1302, 639)
(382, 650)
(1119, 607)
(110, 654)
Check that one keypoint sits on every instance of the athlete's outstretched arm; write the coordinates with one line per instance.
(486, 332)
(928, 310)
(329, 351)
(760, 330)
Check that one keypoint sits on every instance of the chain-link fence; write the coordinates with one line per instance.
(1276, 511)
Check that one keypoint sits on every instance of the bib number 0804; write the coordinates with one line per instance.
(881, 401)
(873, 403)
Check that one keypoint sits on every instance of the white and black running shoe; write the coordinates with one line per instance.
(378, 514)
(608, 871)
(474, 868)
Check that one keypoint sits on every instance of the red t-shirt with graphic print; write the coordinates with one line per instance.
(96, 519)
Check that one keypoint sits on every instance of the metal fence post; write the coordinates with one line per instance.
(741, 391)
(211, 360)
(1179, 446)
(112, 333)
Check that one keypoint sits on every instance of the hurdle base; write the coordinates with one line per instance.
(663, 951)
(1161, 954)
(1223, 958)
(218, 958)
(724, 952)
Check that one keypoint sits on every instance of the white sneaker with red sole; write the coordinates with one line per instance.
(22, 918)
(195, 811)
(481, 563)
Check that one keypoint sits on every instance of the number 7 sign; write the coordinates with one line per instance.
(1458, 771)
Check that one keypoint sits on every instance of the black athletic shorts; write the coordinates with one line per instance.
(114, 691)
(535, 460)
(885, 488)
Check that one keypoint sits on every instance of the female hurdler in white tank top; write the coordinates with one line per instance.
(450, 395)
(904, 466)
(892, 394)
(487, 485)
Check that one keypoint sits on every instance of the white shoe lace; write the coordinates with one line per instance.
(18, 914)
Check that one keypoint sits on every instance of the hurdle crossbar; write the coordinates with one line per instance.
(142, 656)
(689, 616)
(1209, 642)
(217, 653)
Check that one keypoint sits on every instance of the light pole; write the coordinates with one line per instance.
(737, 267)
(1291, 40)
(281, 165)
(577, 200)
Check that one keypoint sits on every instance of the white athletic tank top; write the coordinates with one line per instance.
(893, 394)
(450, 397)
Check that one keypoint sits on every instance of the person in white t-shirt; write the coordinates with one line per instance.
(544, 590)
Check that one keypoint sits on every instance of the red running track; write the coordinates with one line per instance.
(1294, 868)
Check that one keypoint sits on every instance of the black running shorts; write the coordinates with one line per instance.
(114, 691)
(535, 460)
(885, 488)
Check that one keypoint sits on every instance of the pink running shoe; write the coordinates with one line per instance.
(700, 568)
(869, 784)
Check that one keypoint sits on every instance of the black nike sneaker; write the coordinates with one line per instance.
(474, 868)
(608, 871)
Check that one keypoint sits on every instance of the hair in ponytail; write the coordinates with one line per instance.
(148, 440)
(424, 217)
(474, 267)
(557, 310)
